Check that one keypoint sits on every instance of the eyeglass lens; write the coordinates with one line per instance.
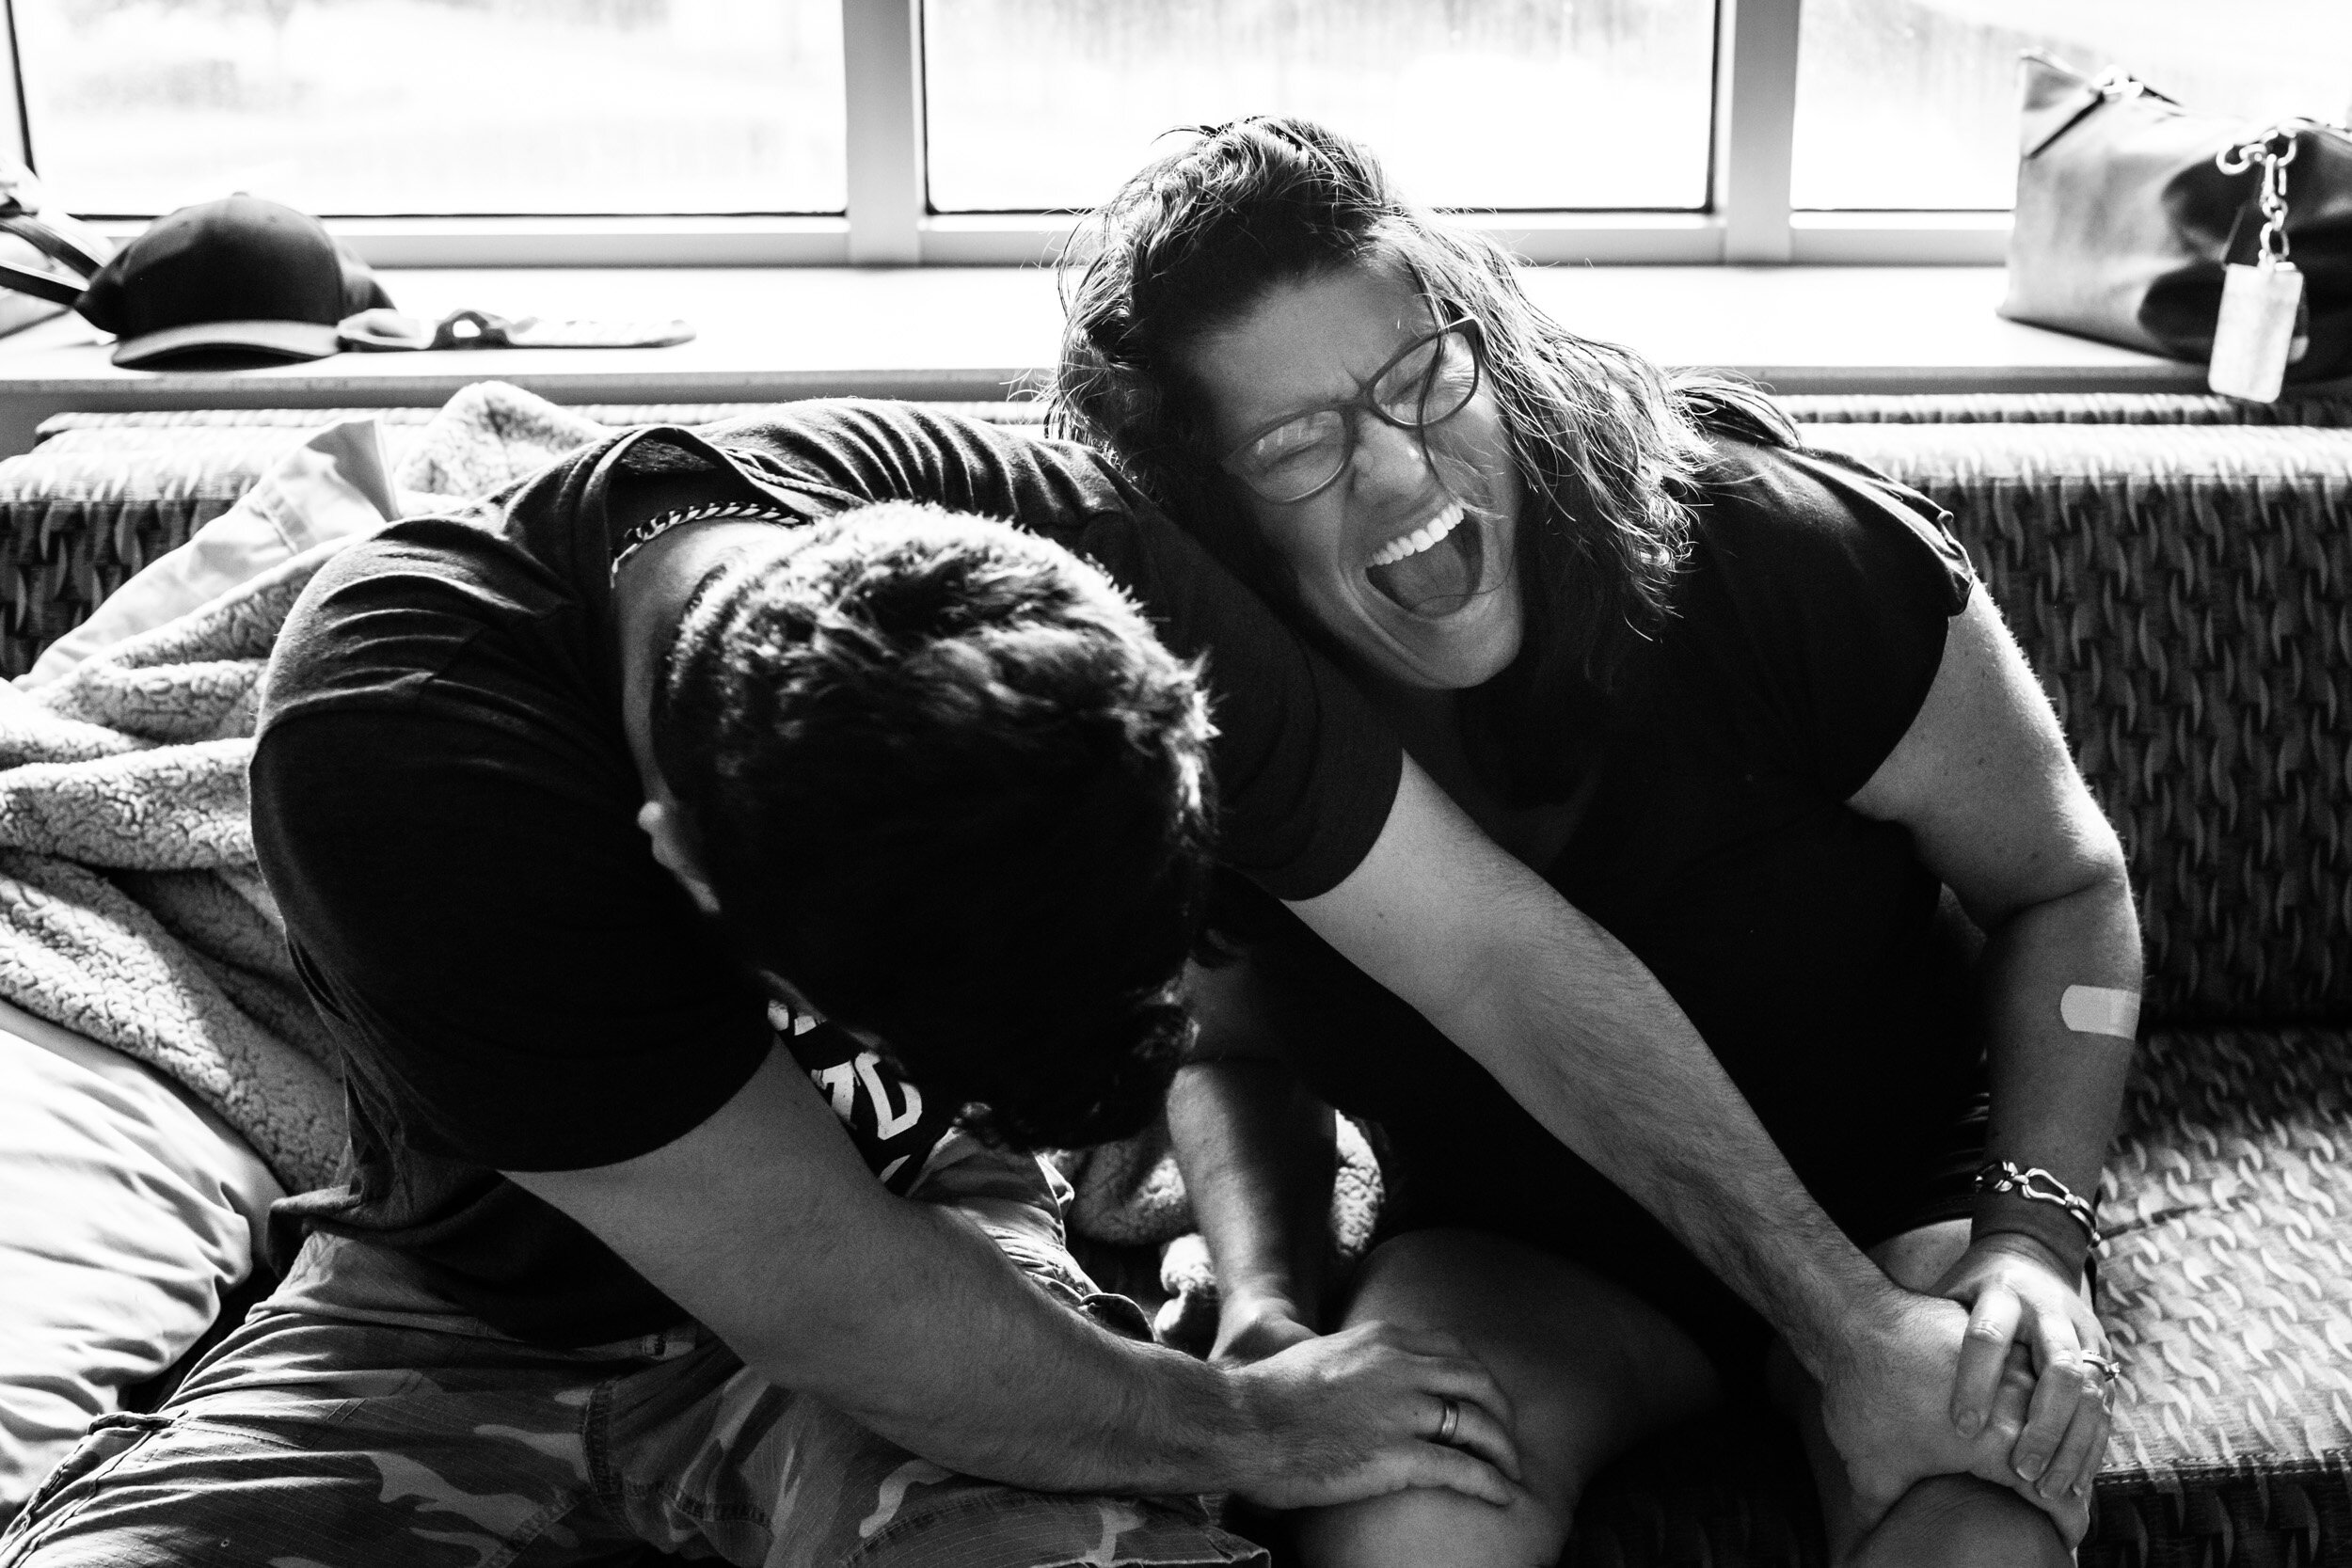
(1430, 382)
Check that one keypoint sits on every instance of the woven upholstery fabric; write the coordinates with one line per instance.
(102, 494)
(2186, 594)
(2227, 1270)
(2063, 408)
(604, 413)
(2226, 1287)
(76, 525)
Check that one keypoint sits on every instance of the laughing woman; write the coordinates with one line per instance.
(1742, 703)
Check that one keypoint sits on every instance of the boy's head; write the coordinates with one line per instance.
(937, 775)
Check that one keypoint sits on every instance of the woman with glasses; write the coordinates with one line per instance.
(1743, 705)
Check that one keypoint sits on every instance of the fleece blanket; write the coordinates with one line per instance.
(132, 912)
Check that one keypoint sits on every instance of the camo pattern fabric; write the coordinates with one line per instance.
(354, 1421)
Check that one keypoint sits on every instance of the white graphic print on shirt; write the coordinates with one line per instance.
(888, 1117)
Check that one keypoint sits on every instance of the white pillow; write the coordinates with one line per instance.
(334, 484)
(126, 1213)
(127, 1210)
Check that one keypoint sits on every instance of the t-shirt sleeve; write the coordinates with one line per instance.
(473, 907)
(1306, 770)
(1843, 585)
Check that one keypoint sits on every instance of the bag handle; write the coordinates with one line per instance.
(2057, 97)
(41, 285)
(78, 250)
(54, 241)
(25, 211)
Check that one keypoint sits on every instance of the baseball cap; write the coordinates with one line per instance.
(239, 278)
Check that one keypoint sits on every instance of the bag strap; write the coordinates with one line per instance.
(42, 285)
(77, 250)
(57, 242)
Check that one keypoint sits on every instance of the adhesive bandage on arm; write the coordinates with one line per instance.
(2101, 1011)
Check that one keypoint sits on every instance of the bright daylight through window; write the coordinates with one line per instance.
(1470, 105)
(1913, 104)
(437, 106)
(472, 107)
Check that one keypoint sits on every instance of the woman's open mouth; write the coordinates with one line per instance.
(1434, 570)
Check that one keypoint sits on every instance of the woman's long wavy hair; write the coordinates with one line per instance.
(1606, 445)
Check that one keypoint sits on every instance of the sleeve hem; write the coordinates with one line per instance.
(639, 1135)
(1361, 821)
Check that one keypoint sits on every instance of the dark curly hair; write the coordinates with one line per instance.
(1605, 444)
(944, 781)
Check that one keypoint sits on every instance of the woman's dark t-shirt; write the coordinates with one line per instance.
(1802, 937)
(445, 807)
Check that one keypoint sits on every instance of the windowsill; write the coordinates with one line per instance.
(774, 333)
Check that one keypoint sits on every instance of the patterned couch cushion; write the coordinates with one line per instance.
(2227, 1263)
(2186, 595)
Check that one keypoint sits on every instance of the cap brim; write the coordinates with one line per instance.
(282, 340)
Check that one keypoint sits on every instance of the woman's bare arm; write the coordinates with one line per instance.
(1258, 1150)
(1983, 780)
(1584, 1036)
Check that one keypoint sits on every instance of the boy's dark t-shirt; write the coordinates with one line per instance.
(445, 807)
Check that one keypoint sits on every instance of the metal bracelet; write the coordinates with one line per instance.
(2039, 1186)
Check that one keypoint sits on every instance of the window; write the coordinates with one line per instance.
(442, 107)
(454, 132)
(1949, 69)
(1488, 104)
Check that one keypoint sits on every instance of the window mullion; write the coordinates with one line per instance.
(1756, 120)
(883, 56)
(15, 134)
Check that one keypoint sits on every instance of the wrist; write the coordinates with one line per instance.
(2048, 1234)
(2014, 1197)
(1871, 1314)
(1255, 1449)
(1258, 1298)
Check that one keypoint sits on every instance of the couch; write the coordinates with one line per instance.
(2180, 572)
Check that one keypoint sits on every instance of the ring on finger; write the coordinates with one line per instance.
(1449, 1423)
(2104, 1365)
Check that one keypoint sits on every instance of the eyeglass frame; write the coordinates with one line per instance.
(1467, 325)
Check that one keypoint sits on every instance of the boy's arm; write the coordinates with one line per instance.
(763, 1224)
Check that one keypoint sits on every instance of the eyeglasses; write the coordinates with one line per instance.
(1425, 383)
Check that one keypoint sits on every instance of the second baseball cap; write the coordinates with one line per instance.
(234, 280)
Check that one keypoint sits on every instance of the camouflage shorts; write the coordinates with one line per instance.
(354, 1421)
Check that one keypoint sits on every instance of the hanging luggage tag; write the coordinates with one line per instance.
(2254, 339)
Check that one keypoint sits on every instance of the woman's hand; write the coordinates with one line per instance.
(1250, 1327)
(1887, 1414)
(2019, 1292)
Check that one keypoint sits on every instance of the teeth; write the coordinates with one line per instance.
(1421, 538)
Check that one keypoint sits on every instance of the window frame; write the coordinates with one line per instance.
(888, 222)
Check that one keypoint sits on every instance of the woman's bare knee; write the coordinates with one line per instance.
(1961, 1522)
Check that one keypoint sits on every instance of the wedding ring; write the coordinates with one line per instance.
(1448, 1424)
(2106, 1365)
